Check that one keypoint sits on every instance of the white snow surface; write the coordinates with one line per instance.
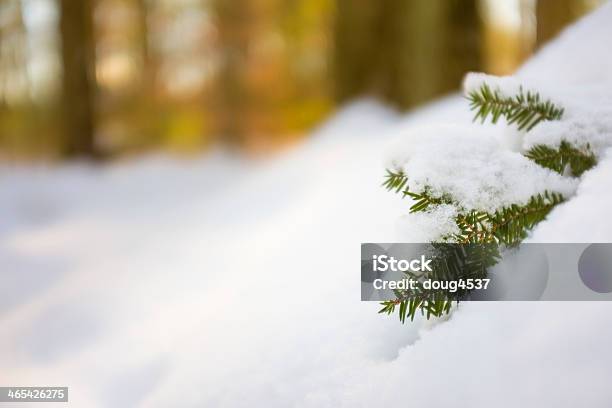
(220, 282)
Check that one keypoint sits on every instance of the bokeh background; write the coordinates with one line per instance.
(102, 78)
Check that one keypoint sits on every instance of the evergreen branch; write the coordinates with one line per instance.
(526, 109)
(506, 227)
(579, 160)
(450, 262)
(425, 199)
(408, 307)
(395, 180)
(486, 232)
(510, 225)
(474, 228)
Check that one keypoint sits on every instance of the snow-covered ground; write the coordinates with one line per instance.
(219, 282)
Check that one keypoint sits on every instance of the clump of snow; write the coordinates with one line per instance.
(430, 225)
(590, 127)
(593, 129)
(470, 166)
(506, 86)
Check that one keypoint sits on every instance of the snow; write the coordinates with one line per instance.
(437, 221)
(506, 86)
(226, 282)
(446, 158)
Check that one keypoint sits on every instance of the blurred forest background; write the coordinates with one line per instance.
(99, 78)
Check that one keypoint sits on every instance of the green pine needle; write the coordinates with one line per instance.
(425, 199)
(508, 225)
(395, 181)
(526, 109)
(449, 262)
(578, 160)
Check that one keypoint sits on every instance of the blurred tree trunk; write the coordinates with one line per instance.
(464, 42)
(14, 80)
(234, 22)
(415, 37)
(407, 51)
(553, 15)
(78, 59)
(149, 61)
(143, 30)
(357, 47)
